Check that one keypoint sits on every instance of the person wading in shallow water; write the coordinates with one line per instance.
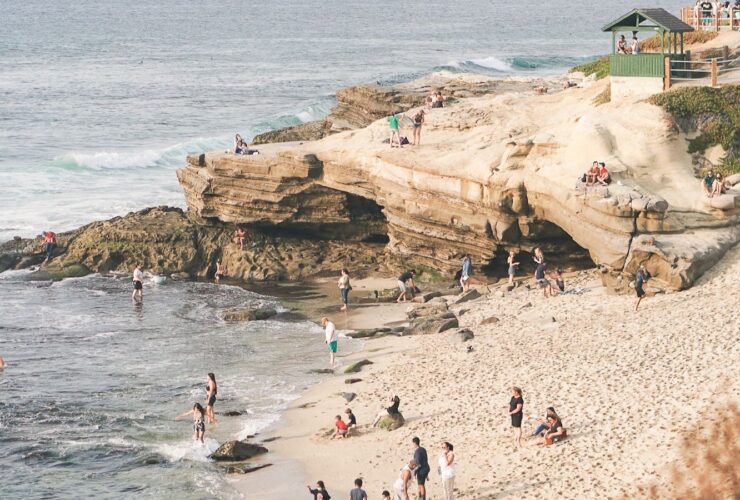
(330, 332)
(138, 281)
(199, 423)
(211, 391)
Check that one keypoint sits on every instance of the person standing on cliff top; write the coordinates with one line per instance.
(418, 122)
(467, 267)
(331, 337)
(138, 280)
(395, 134)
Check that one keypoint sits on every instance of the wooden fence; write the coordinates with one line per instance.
(724, 20)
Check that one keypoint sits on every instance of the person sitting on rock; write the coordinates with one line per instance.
(708, 184)
(342, 429)
(50, 244)
(592, 174)
(604, 178)
(406, 281)
(718, 186)
(392, 410)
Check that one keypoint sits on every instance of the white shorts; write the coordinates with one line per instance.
(401, 286)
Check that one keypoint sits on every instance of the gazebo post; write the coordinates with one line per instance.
(681, 42)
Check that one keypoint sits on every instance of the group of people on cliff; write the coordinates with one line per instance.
(707, 12)
(396, 122)
(713, 184)
(597, 174)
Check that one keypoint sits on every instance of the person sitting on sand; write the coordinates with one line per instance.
(559, 281)
(406, 281)
(393, 124)
(342, 428)
(621, 45)
(707, 183)
(467, 267)
(319, 493)
(604, 178)
(390, 411)
(545, 424)
(541, 279)
(344, 288)
(239, 236)
(513, 265)
(401, 486)
(641, 278)
(221, 271)
(351, 420)
(199, 421)
(554, 433)
(331, 337)
(718, 187)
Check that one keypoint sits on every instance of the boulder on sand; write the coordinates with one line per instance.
(490, 321)
(471, 294)
(428, 309)
(356, 367)
(237, 451)
(250, 313)
(392, 422)
(434, 324)
(464, 335)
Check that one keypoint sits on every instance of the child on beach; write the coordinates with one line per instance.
(513, 266)
(516, 411)
(342, 428)
(331, 338)
(351, 420)
(319, 493)
(344, 288)
(357, 492)
(199, 424)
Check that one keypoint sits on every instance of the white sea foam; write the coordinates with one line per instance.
(188, 450)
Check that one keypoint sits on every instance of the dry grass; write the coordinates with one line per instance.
(693, 37)
(710, 462)
(604, 97)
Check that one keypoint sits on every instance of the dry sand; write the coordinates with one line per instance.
(627, 385)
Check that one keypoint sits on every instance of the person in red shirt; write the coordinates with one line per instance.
(341, 428)
(50, 244)
(604, 177)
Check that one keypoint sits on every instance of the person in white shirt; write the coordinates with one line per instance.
(138, 294)
(635, 46)
(330, 331)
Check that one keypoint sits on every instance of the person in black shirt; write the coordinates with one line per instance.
(422, 471)
(351, 420)
(408, 276)
(319, 493)
(640, 279)
(391, 410)
(706, 12)
(516, 410)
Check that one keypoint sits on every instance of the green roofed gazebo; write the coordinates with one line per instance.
(656, 22)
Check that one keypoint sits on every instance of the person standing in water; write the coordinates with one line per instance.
(138, 280)
(641, 278)
(199, 424)
(221, 270)
(422, 471)
(516, 410)
(211, 391)
(331, 337)
(467, 268)
(344, 288)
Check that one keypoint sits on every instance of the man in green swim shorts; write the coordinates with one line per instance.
(395, 134)
(330, 331)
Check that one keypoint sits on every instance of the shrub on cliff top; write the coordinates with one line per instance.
(693, 37)
(714, 113)
(599, 67)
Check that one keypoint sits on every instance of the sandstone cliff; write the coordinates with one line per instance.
(494, 172)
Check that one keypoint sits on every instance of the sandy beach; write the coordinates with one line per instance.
(627, 386)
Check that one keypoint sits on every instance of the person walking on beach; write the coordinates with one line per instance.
(199, 424)
(138, 281)
(319, 493)
(211, 391)
(641, 278)
(401, 486)
(395, 134)
(358, 493)
(418, 122)
(50, 244)
(239, 236)
(516, 410)
(344, 288)
(405, 281)
(513, 266)
(446, 470)
(330, 333)
(221, 270)
(422, 470)
(467, 267)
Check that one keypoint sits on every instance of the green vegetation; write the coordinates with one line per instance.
(693, 37)
(715, 114)
(604, 97)
(599, 67)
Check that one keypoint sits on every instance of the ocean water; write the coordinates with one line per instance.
(100, 101)
(93, 384)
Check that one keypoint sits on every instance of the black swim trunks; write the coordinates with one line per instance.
(640, 292)
(138, 285)
(421, 476)
(212, 400)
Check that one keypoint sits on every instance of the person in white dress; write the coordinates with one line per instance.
(447, 470)
(401, 486)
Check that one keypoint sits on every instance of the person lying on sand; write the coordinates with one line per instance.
(319, 493)
(555, 433)
(342, 429)
(199, 421)
(391, 410)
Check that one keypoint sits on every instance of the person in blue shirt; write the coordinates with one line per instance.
(467, 268)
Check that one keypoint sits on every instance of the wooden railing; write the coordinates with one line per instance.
(721, 20)
(700, 72)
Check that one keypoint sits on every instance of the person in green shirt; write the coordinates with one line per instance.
(708, 184)
(395, 135)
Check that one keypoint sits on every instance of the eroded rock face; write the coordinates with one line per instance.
(493, 173)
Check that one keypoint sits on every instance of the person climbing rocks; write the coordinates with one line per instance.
(50, 244)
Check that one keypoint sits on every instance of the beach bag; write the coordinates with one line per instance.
(583, 179)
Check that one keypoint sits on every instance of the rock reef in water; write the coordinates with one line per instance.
(493, 173)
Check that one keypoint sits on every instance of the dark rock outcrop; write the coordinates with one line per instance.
(237, 451)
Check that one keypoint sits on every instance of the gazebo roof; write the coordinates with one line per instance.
(662, 19)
